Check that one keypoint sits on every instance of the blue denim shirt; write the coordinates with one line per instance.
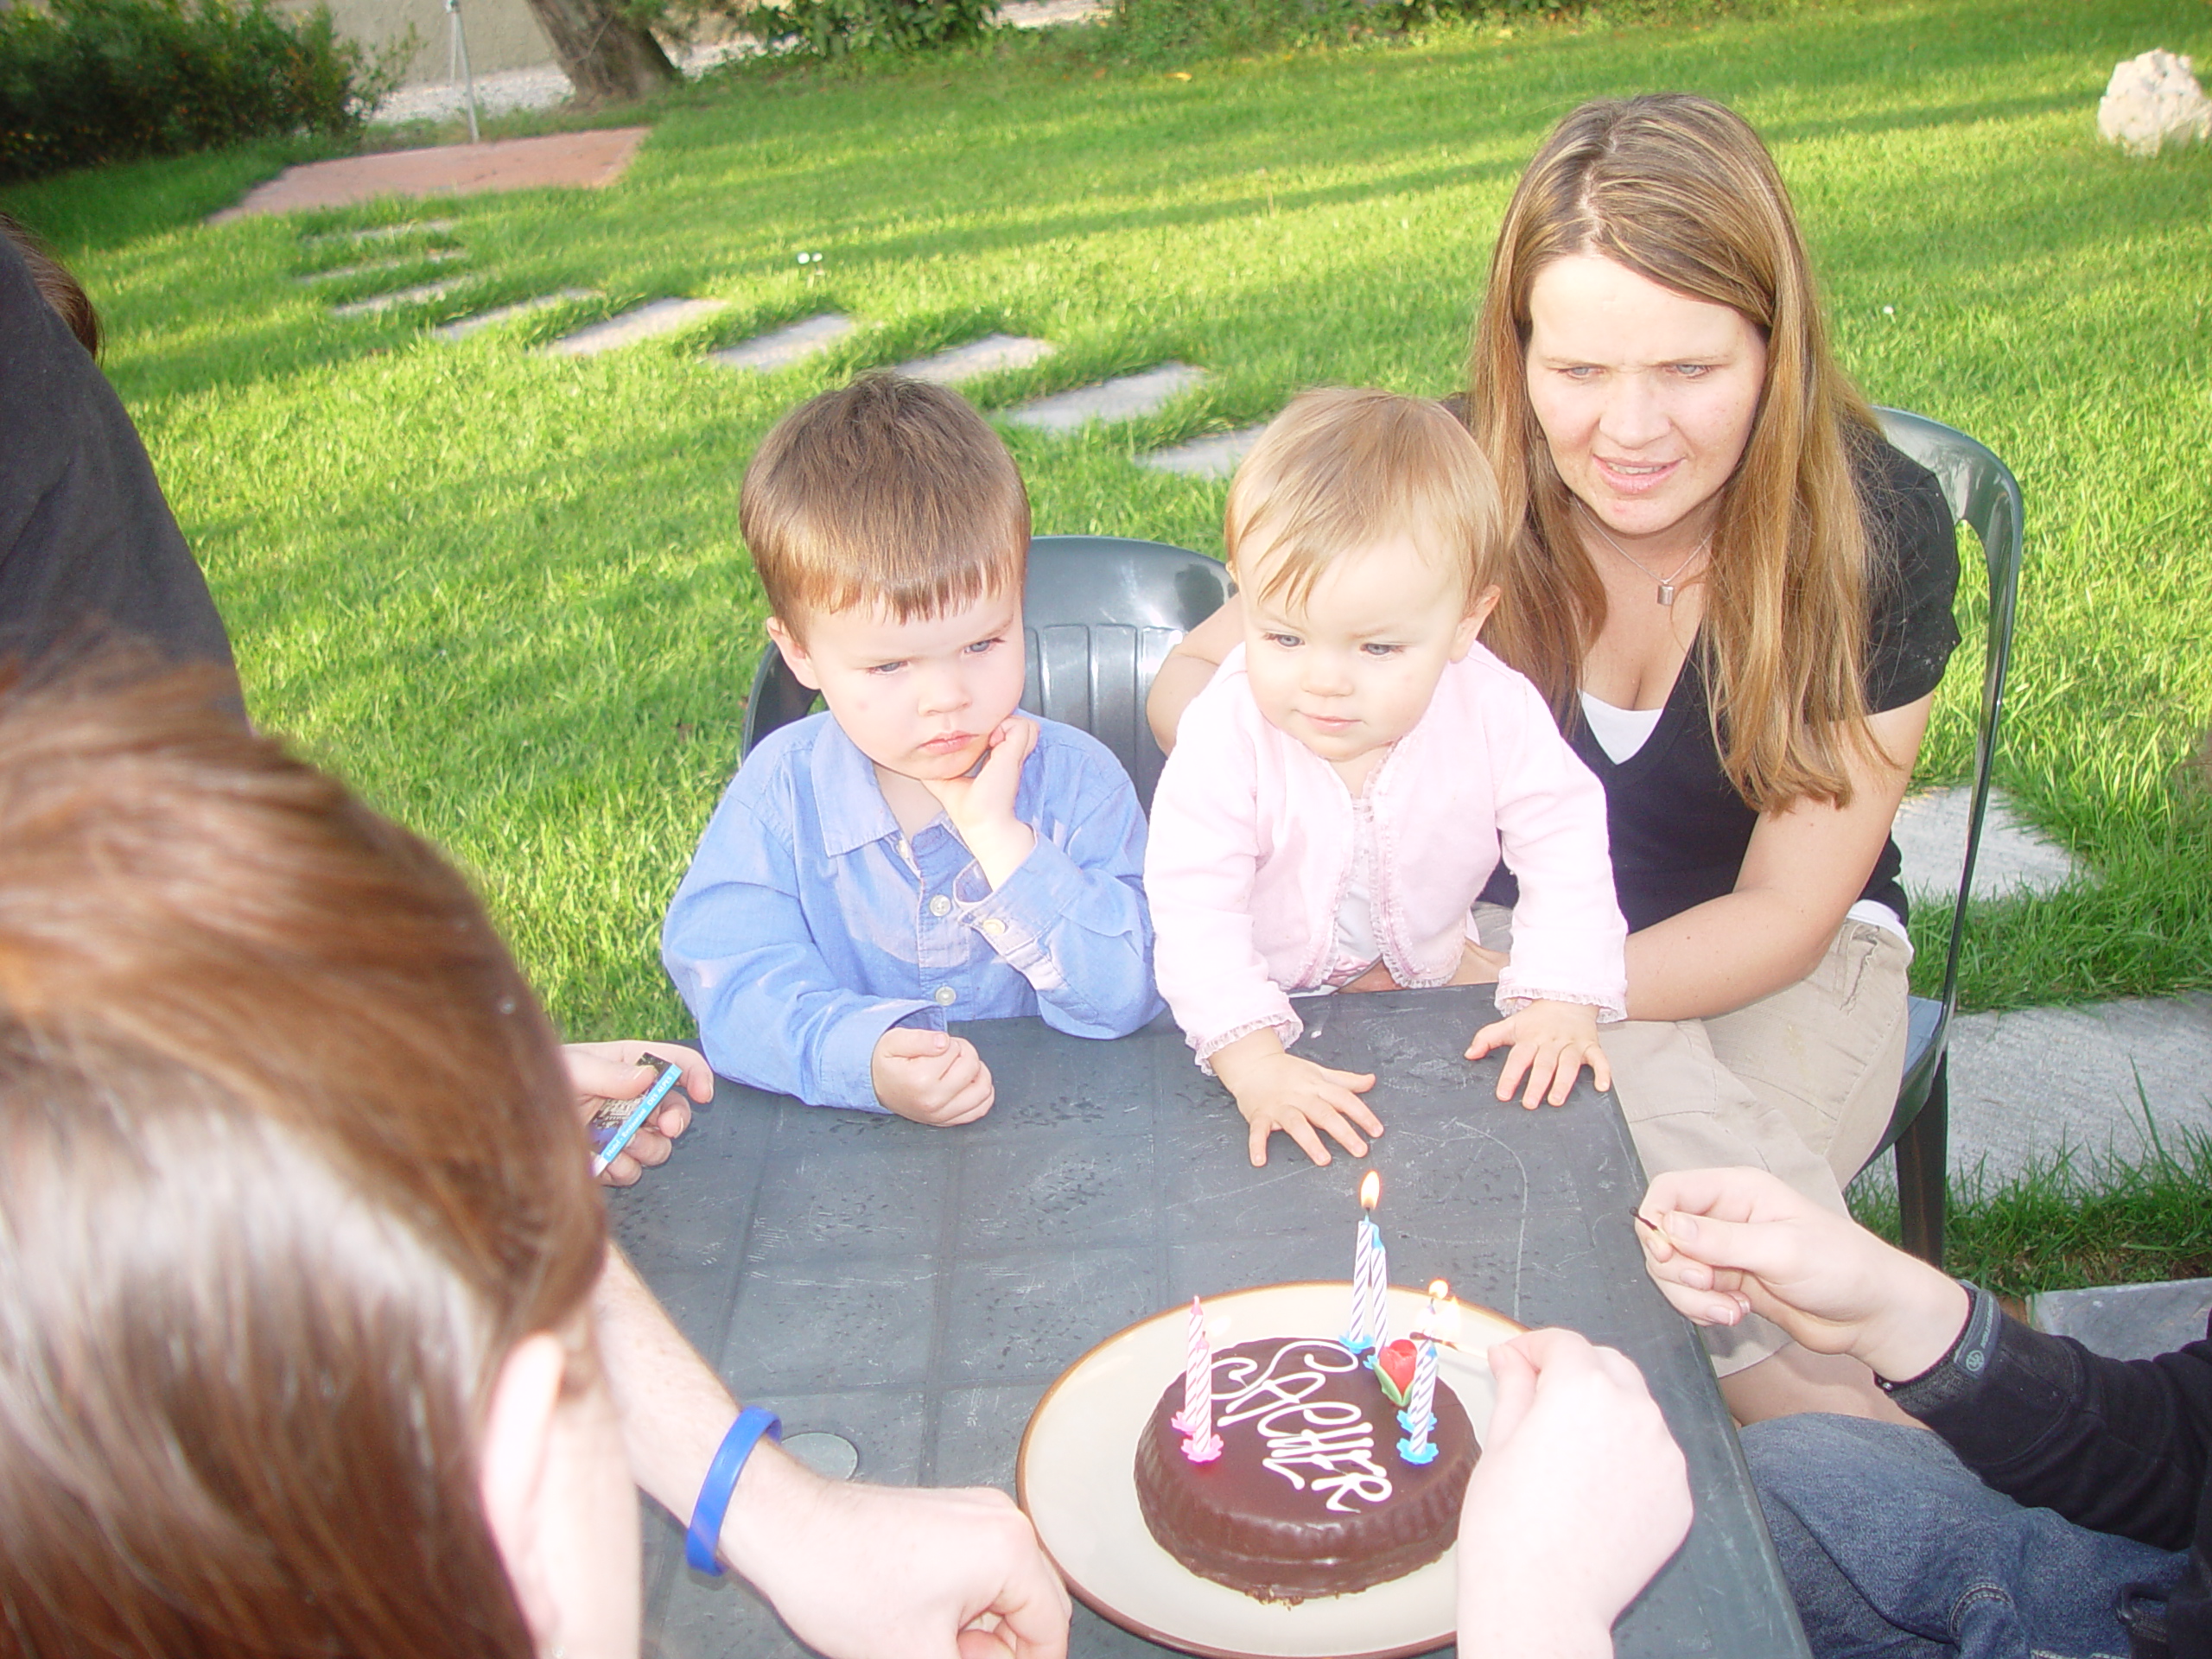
(808, 925)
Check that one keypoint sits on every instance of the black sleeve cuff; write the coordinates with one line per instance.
(1964, 1368)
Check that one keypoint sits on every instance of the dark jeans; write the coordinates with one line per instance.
(1893, 1547)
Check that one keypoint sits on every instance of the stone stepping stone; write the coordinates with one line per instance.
(1120, 399)
(2014, 858)
(647, 321)
(2027, 1083)
(379, 267)
(1219, 454)
(378, 234)
(781, 347)
(950, 367)
(500, 314)
(2126, 1321)
(421, 293)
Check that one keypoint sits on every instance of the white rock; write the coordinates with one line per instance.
(2152, 101)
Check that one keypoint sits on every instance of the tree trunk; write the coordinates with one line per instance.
(610, 59)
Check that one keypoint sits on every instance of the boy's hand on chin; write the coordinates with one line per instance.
(981, 807)
(930, 1077)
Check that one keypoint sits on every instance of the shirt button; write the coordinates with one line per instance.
(940, 905)
(993, 926)
(945, 996)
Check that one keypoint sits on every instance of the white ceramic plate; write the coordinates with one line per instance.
(1077, 1477)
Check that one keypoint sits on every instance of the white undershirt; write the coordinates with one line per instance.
(1355, 936)
(1621, 731)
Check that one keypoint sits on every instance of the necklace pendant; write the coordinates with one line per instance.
(1665, 592)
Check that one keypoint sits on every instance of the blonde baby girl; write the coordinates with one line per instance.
(1341, 791)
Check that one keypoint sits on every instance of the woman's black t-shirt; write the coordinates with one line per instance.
(1679, 828)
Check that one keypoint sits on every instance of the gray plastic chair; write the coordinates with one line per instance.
(1100, 613)
(1983, 495)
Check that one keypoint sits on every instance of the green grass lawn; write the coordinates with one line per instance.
(504, 594)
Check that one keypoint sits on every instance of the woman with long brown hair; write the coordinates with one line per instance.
(311, 1342)
(1737, 598)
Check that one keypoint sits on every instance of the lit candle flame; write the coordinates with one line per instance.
(1370, 1189)
(1443, 1322)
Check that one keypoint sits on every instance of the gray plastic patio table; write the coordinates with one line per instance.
(915, 1290)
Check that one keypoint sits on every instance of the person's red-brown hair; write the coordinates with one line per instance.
(289, 1165)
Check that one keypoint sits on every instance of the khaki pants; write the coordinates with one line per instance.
(1800, 1084)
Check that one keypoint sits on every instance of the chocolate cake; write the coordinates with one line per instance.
(1309, 1496)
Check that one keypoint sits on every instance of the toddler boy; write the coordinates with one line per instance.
(920, 852)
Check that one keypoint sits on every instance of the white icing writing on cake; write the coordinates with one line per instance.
(1330, 1438)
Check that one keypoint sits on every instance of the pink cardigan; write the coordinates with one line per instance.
(1252, 841)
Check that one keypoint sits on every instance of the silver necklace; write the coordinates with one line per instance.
(1666, 583)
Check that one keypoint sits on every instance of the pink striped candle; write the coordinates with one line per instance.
(1195, 1421)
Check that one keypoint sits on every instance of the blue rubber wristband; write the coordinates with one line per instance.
(722, 1480)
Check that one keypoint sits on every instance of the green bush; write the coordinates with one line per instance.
(84, 82)
(834, 29)
(1148, 29)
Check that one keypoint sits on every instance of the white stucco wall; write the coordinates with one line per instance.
(501, 33)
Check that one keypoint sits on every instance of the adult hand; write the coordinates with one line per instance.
(1275, 1090)
(930, 1077)
(1580, 1496)
(1551, 1044)
(1726, 1242)
(600, 1072)
(938, 1569)
(981, 807)
(946, 1571)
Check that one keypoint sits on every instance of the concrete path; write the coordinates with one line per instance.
(992, 352)
(2026, 1084)
(2127, 1321)
(380, 233)
(781, 347)
(647, 321)
(578, 160)
(2014, 858)
(380, 267)
(1121, 399)
(421, 293)
(500, 314)
(1216, 456)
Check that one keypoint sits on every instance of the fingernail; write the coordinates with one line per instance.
(1680, 1225)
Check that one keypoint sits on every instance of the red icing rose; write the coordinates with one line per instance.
(1393, 1369)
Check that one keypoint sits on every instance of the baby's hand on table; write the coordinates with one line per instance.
(1552, 1042)
(981, 807)
(930, 1077)
(1275, 1090)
